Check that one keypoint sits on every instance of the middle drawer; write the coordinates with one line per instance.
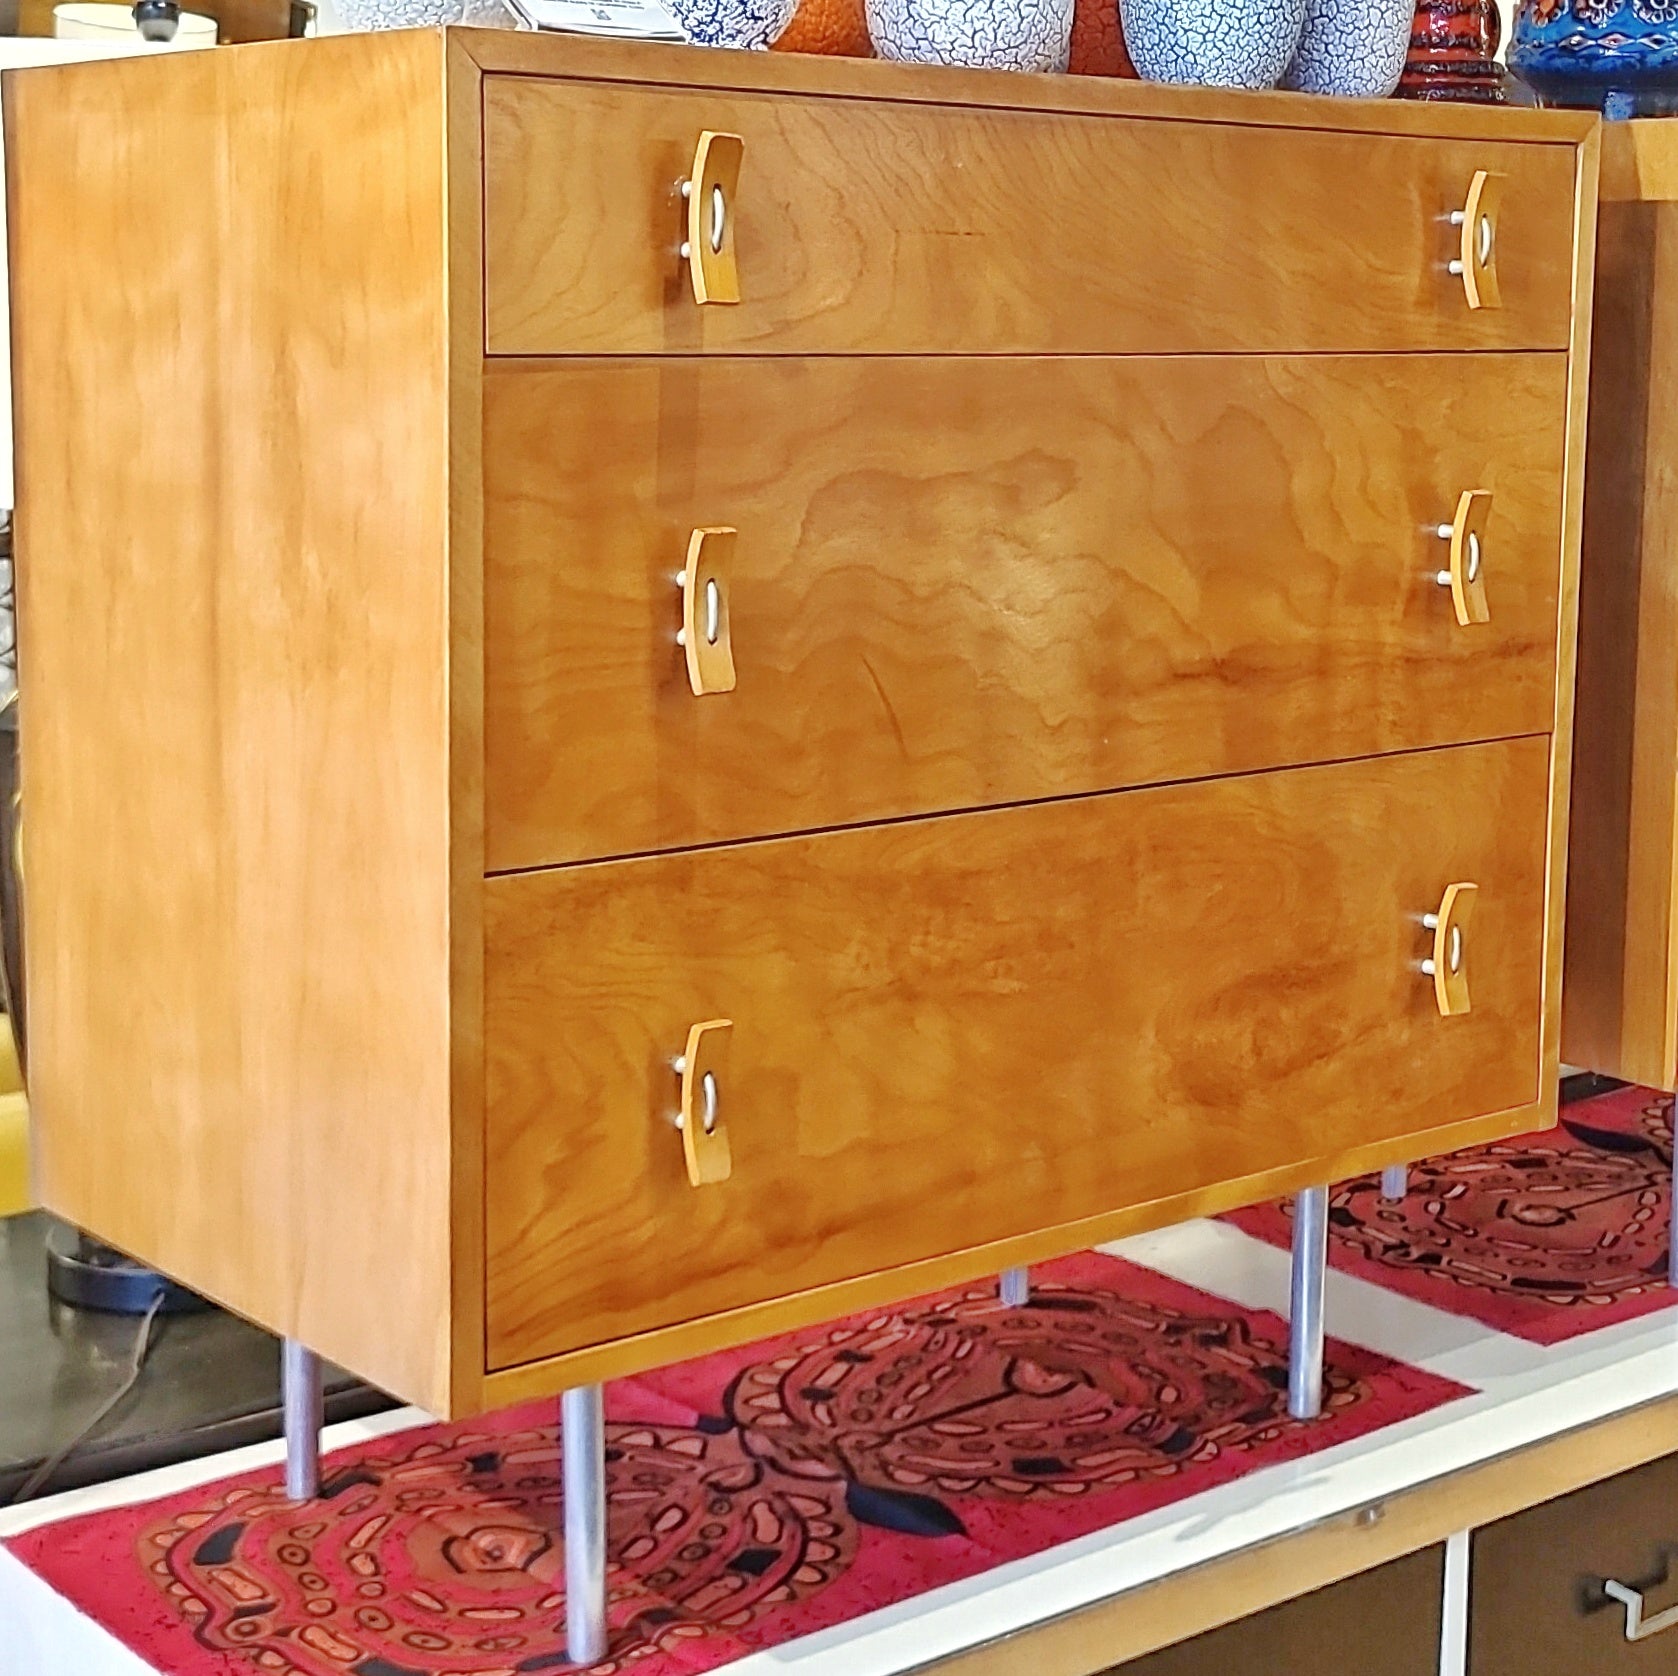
(966, 581)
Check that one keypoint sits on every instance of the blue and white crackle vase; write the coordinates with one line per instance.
(1619, 56)
(733, 23)
(1217, 43)
(977, 34)
(1354, 48)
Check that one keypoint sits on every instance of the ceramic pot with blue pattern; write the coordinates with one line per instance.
(1216, 43)
(977, 34)
(733, 23)
(1355, 48)
(1618, 56)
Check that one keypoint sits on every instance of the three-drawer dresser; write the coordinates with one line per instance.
(666, 693)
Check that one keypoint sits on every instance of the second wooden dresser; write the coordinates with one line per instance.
(999, 646)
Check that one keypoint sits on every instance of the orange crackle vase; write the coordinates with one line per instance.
(834, 27)
(1098, 47)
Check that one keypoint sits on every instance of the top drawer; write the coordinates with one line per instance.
(879, 227)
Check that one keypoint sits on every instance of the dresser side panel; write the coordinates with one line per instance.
(231, 395)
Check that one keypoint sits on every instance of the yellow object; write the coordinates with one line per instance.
(14, 1129)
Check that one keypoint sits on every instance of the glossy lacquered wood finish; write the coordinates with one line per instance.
(964, 581)
(263, 628)
(1620, 999)
(239, 923)
(1221, 980)
(1044, 234)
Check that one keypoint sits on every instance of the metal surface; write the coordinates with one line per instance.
(302, 1396)
(1639, 1628)
(1395, 1182)
(584, 1452)
(1014, 1288)
(1672, 1225)
(212, 1382)
(1305, 1303)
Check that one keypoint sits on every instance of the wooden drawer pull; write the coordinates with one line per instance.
(1448, 964)
(709, 190)
(1465, 576)
(704, 1133)
(1639, 1628)
(704, 634)
(1476, 266)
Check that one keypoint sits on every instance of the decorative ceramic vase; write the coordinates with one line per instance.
(1218, 43)
(1620, 56)
(733, 23)
(981, 34)
(834, 28)
(1351, 47)
(1453, 53)
(1098, 47)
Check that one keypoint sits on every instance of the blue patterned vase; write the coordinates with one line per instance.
(1354, 48)
(1218, 43)
(1620, 56)
(733, 23)
(980, 34)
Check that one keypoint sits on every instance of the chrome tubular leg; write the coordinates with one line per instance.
(1014, 1288)
(1672, 1214)
(1395, 1182)
(301, 1404)
(584, 1450)
(1305, 1296)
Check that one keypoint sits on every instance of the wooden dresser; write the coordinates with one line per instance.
(994, 704)
(1620, 1012)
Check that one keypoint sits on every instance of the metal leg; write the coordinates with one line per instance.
(1672, 1213)
(1305, 1319)
(1395, 1182)
(1014, 1287)
(301, 1403)
(585, 1524)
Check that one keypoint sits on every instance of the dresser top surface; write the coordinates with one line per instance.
(510, 52)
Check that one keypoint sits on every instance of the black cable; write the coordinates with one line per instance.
(136, 1367)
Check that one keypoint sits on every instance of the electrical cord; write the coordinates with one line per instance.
(136, 1366)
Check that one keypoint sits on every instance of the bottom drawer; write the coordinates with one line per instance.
(1538, 1605)
(951, 1031)
(1384, 1622)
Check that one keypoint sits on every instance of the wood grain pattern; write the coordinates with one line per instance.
(643, 62)
(232, 526)
(919, 1024)
(1207, 237)
(1196, 1598)
(967, 581)
(1620, 999)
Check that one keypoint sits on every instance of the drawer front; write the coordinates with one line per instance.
(968, 581)
(1538, 1606)
(865, 227)
(1384, 1622)
(953, 1031)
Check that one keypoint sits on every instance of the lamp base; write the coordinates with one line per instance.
(84, 1274)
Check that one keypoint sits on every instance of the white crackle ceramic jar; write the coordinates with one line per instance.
(978, 34)
(733, 23)
(1354, 48)
(1217, 43)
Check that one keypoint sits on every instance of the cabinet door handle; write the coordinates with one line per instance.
(700, 1118)
(1476, 265)
(1639, 1628)
(704, 634)
(1465, 575)
(1448, 964)
(708, 248)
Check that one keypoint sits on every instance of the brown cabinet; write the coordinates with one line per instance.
(1127, 538)
(1540, 1604)
(1384, 1622)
